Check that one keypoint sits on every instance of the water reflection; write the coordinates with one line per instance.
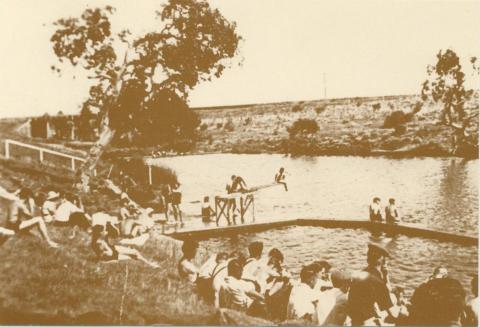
(439, 192)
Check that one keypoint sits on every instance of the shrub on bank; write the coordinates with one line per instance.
(229, 126)
(320, 109)
(297, 108)
(303, 127)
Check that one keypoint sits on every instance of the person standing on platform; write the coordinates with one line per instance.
(375, 211)
(280, 178)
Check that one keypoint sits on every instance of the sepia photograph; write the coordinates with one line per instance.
(239, 162)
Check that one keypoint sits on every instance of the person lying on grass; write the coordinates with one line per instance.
(20, 218)
(107, 252)
(70, 213)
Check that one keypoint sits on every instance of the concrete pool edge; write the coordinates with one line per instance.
(412, 230)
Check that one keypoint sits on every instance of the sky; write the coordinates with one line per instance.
(292, 50)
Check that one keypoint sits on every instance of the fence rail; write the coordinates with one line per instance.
(72, 161)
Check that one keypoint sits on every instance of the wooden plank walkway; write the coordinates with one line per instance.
(412, 230)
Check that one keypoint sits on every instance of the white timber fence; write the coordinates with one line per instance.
(36, 154)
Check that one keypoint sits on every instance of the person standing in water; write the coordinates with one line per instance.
(280, 178)
(375, 210)
(391, 213)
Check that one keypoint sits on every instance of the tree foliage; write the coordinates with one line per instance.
(445, 85)
(136, 75)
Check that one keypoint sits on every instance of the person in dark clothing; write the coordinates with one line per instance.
(237, 185)
(440, 302)
(207, 210)
(280, 178)
(369, 298)
(391, 212)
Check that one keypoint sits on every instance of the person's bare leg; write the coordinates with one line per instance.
(179, 213)
(38, 221)
(135, 254)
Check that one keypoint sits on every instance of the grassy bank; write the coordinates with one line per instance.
(68, 285)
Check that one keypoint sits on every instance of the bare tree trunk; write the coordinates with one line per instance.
(106, 134)
(94, 155)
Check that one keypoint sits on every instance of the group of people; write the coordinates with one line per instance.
(237, 184)
(391, 215)
(111, 234)
(261, 286)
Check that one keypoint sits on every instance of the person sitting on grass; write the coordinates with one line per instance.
(143, 223)
(50, 206)
(20, 218)
(186, 266)
(236, 293)
(303, 297)
(440, 302)
(70, 213)
(471, 311)
(105, 251)
(332, 307)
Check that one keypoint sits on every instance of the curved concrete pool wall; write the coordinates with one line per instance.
(413, 230)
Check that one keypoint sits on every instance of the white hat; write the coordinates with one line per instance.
(52, 195)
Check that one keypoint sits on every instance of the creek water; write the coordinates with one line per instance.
(441, 193)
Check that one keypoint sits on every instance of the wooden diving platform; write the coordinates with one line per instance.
(408, 229)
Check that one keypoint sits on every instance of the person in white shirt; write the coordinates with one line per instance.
(69, 214)
(322, 268)
(49, 206)
(253, 265)
(375, 210)
(332, 305)
(304, 298)
(218, 275)
(186, 266)
(236, 293)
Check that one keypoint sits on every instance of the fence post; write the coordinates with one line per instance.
(150, 174)
(7, 149)
(41, 156)
(73, 164)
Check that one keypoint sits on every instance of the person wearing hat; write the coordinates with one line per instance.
(369, 299)
(49, 207)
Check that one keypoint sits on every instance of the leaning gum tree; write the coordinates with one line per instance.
(193, 43)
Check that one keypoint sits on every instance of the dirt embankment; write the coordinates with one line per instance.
(346, 127)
